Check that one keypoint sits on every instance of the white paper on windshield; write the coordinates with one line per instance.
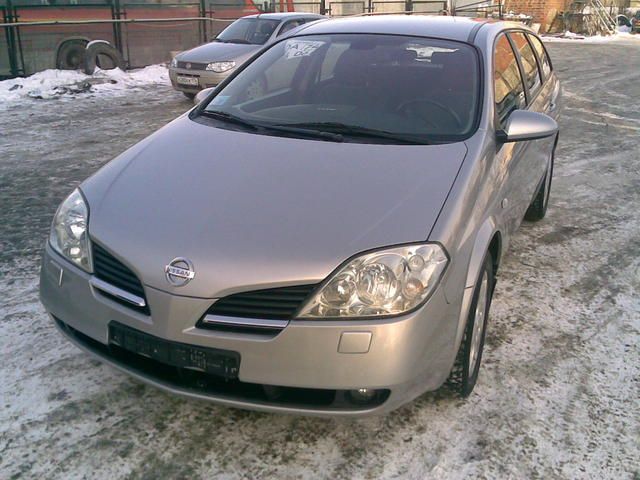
(300, 48)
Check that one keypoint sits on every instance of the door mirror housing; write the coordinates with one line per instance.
(523, 125)
(202, 94)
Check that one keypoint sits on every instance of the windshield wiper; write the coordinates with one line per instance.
(238, 40)
(230, 118)
(306, 132)
(356, 131)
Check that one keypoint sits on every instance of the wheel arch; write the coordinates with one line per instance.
(489, 239)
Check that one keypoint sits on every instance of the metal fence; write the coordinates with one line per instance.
(144, 32)
(148, 31)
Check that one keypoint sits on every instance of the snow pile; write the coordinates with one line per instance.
(50, 84)
(570, 37)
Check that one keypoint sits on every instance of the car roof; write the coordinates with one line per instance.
(445, 27)
(284, 15)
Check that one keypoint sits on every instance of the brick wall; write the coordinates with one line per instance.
(542, 11)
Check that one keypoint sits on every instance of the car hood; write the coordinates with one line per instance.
(218, 52)
(255, 211)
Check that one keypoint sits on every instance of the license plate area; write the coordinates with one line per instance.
(223, 363)
(184, 80)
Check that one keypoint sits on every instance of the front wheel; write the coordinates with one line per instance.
(465, 370)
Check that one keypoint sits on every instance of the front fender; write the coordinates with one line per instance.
(480, 248)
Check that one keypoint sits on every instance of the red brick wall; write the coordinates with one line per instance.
(542, 11)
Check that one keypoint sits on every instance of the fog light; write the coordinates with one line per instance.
(272, 392)
(362, 395)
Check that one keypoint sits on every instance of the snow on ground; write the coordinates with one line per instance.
(573, 37)
(559, 390)
(52, 83)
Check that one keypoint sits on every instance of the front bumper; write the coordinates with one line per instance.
(406, 356)
(204, 78)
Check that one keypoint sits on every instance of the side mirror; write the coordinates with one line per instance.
(524, 125)
(202, 94)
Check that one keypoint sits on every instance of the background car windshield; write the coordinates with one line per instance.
(248, 30)
(418, 87)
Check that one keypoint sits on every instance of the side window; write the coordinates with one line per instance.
(529, 65)
(508, 86)
(290, 25)
(545, 63)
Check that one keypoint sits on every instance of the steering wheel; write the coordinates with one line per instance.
(409, 108)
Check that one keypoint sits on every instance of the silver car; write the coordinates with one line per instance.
(326, 244)
(208, 65)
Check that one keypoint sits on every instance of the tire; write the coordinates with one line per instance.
(102, 55)
(538, 208)
(189, 95)
(71, 54)
(464, 374)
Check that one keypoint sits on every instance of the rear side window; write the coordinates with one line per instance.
(508, 86)
(529, 65)
(545, 63)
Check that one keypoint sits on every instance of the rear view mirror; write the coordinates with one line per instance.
(523, 125)
(202, 94)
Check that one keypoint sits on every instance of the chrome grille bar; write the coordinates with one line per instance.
(244, 322)
(117, 292)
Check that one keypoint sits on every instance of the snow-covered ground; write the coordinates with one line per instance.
(619, 36)
(558, 394)
(50, 84)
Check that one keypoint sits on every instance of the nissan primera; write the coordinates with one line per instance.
(322, 233)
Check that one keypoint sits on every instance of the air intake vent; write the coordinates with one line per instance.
(112, 271)
(271, 304)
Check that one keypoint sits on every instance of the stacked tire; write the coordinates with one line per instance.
(81, 54)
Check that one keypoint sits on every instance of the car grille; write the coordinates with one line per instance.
(111, 270)
(272, 304)
(192, 65)
(260, 312)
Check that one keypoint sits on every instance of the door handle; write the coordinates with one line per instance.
(551, 107)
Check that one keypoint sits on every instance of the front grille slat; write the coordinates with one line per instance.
(269, 304)
(119, 274)
(121, 280)
(111, 270)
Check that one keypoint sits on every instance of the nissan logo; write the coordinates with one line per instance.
(179, 272)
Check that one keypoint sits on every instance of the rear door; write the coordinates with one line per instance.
(550, 94)
(540, 93)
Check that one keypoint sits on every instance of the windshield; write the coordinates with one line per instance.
(255, 31)
(385, 87)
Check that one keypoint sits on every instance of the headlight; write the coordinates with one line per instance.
(174, 63)
(380, 283)
(220, 67)
(69, 235)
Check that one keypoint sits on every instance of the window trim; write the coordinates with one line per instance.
(527, 92)
(496, 118)
(538, 59)
(541, 75)
(530, 96)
